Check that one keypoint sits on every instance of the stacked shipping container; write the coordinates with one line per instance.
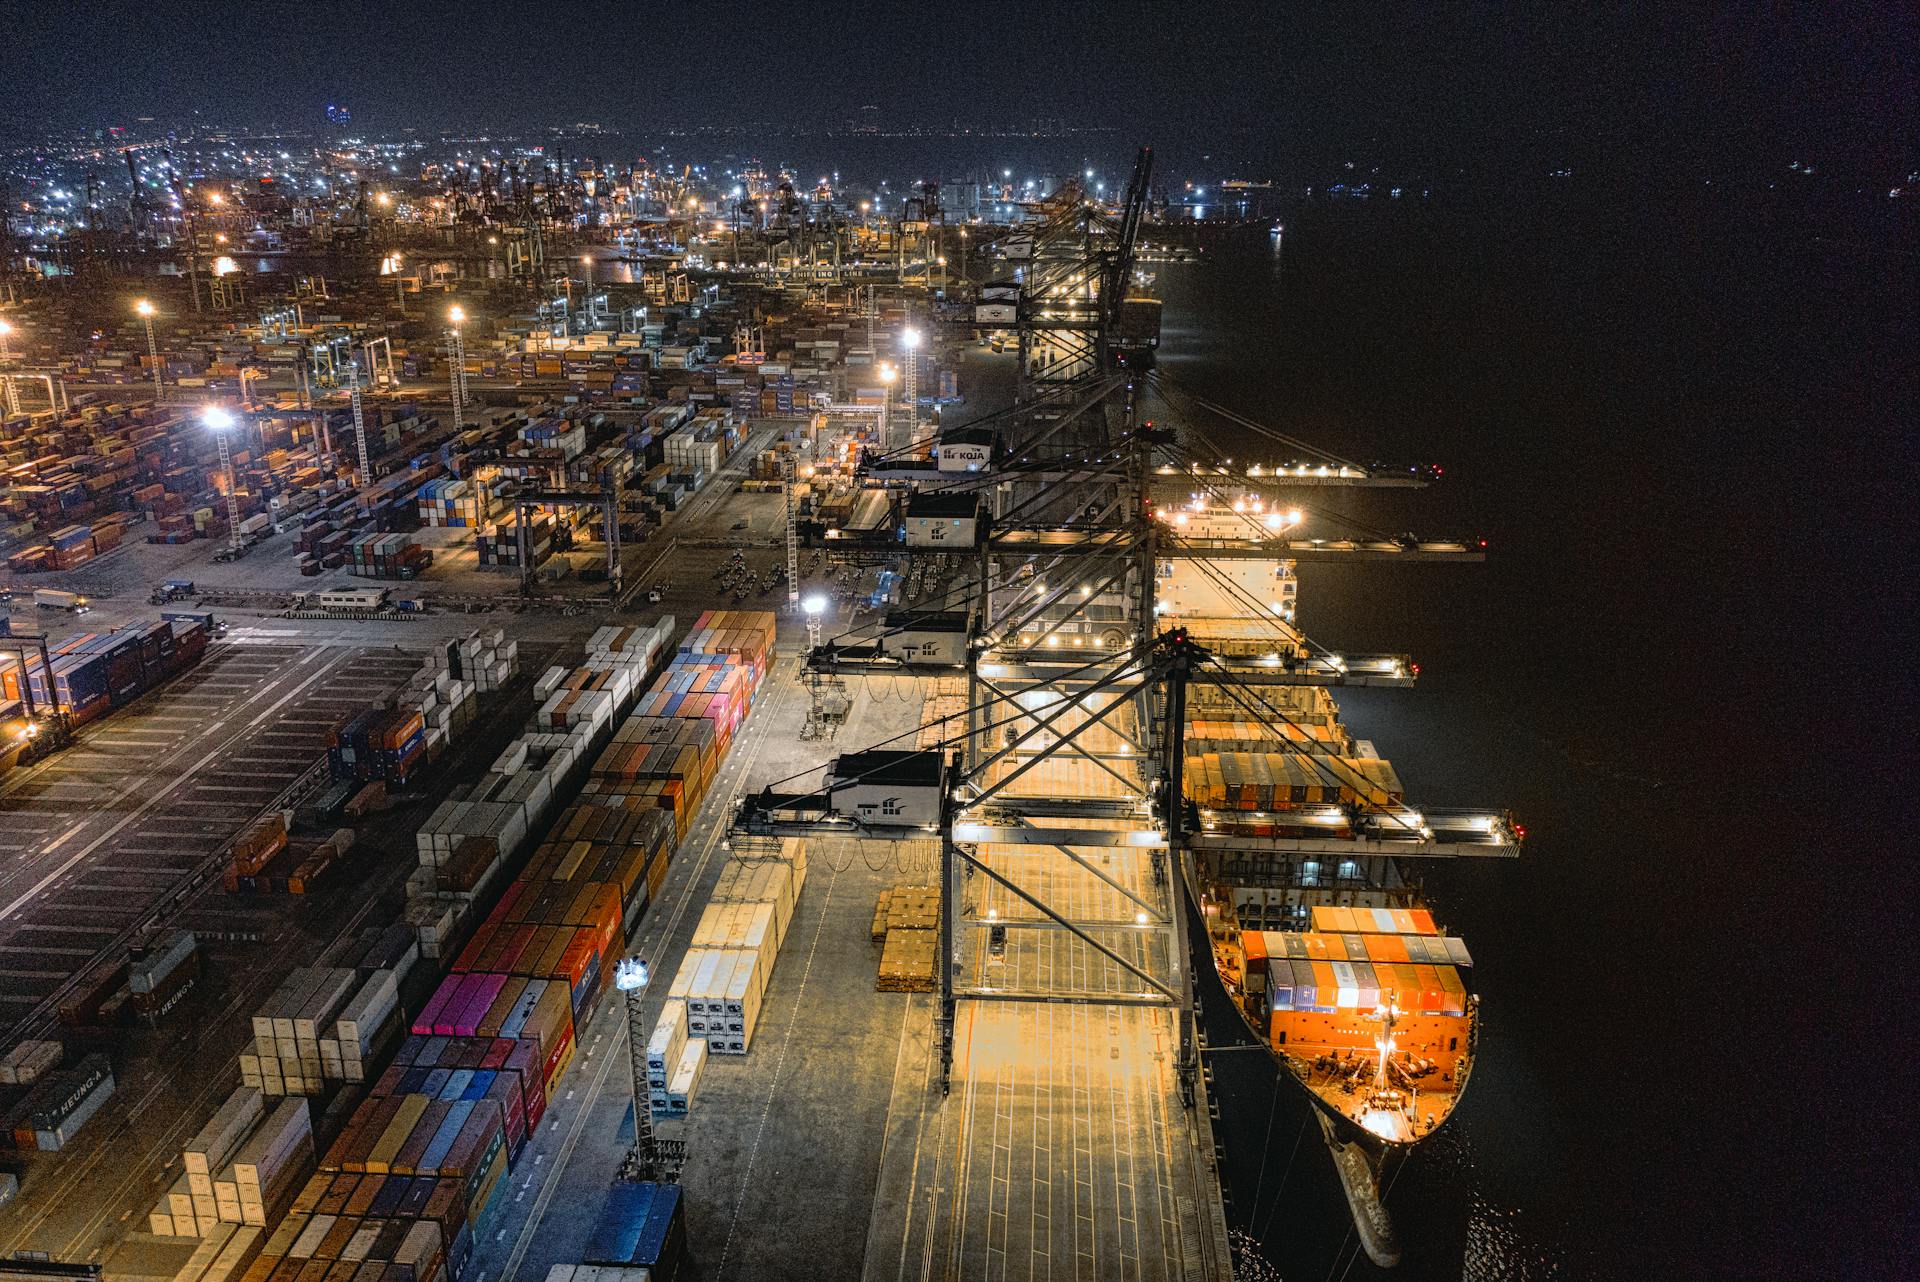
(418, 1169)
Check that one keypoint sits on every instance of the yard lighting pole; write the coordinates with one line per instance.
(458, 375)
(221, 421)
(146, 309)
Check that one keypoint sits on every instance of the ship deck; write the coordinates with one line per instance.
(1333, 1084)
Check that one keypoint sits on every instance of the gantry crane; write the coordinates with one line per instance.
(1069, 669)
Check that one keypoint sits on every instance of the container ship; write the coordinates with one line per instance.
(1318, 929)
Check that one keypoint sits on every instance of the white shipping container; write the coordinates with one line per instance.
(230, 1124)
(746, 983)
(420, 1245)
(686, 1076)
(669, 1037)
(362, 1018)
(309, 1241)
(240, 1248)
(708, 991)
(285, 1134)
(331, 989)
(263, 1031)
(29, 1061)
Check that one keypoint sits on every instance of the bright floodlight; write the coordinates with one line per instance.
(217, 417)
(1293, 516)
(457, 314)
(814, 604)
(6, 327)
(887, 374)
(143, 307)
(629, 973)
(910, 337)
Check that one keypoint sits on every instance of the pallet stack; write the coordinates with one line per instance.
(906, 924)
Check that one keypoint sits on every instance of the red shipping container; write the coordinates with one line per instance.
(475, 946)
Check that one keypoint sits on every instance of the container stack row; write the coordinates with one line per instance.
(467, 840)
(444, 702)
(499, 543)
(472, 1078)
(220, 1255)
(387, 744)
(255, 849)
(285, 1059)
(419, 1170)
(326, 1023)
(448, 502)
(406, 1233)
(484, 658)
(385, 556)
(665, 756)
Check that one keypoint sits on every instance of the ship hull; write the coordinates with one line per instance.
(1361, 1158)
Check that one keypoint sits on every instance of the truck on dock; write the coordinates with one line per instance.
(54, 599)
(205, 618)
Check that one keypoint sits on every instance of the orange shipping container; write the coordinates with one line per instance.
(1429, 987)
(1324, 982)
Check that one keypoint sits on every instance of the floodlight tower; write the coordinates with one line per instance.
(788, 482)
(815, 605)
(12, 394)
(650, 1158)
(221, 422)
(910, 341)
(146, 309)
(365, 476)
(887, 376)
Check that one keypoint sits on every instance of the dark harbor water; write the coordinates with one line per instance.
(1688, 436)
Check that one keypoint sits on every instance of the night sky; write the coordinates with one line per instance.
(1436, 84)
